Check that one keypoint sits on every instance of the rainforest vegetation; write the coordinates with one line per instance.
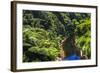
(43, 32)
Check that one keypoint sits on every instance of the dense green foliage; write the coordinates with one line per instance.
(43, 31)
